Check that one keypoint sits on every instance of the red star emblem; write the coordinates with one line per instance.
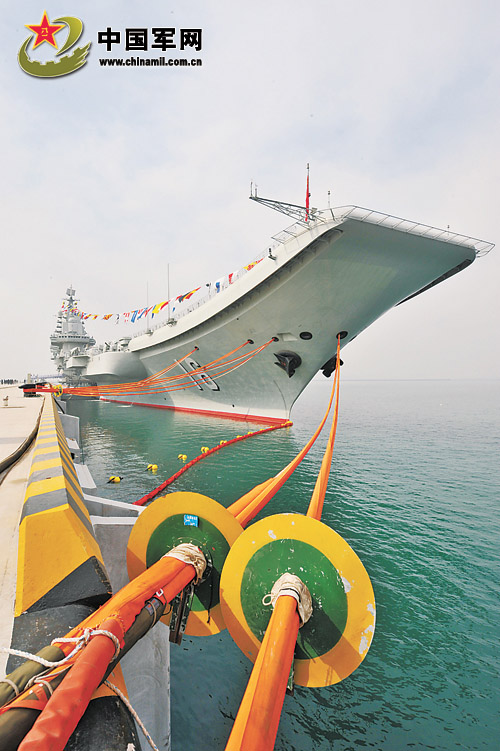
(45, 31)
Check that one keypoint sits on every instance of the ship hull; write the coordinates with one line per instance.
(337, 277)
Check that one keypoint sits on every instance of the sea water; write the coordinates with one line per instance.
(414, 489)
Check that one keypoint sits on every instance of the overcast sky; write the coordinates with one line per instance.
(110, 174)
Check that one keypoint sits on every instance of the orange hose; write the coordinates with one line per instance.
(238, 506)
(272, 486)
(164, 579)
(318, 497)
(155, 384)
(168, 574)
(258, 717)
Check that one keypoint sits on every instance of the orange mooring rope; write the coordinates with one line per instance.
(257, 721)
(160, 383)
(318, 497)
(263, 698)
(249, 505)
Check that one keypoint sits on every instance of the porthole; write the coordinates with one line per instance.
(305, 335)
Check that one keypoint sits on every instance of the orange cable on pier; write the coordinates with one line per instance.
(70, 699)
(74, 687)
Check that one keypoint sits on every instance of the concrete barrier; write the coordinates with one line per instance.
(61, 577)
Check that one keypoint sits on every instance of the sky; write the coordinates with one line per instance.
(110, 176)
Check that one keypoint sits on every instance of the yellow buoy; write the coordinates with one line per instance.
(204, 449)
(182, 457)
(114, 478)
(154, 467)
(222, 442)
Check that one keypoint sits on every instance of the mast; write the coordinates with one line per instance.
(308, 195)
(168, 291)
(302, 214)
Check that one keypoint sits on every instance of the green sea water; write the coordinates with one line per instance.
(415, 490)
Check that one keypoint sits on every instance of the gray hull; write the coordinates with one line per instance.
(339, 275)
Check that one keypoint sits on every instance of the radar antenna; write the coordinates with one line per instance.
(290, 209)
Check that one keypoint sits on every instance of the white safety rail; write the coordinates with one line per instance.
(481, 247)
(338, 215)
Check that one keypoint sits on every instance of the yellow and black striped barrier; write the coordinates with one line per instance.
(59, 560)
(61, 580)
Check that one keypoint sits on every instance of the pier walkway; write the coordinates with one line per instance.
(18, 426)
(18, 423)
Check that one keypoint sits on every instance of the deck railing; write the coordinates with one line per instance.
(338, 214)
(481, 247)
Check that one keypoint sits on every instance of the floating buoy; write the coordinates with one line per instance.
(215, 532)
(239, 436)
(182, 457)
(344, 603)
(204, 449)
(154, 468)
(114, 478)
(221, 443)
(150, 466)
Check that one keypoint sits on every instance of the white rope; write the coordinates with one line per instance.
(79, 641)
(83, 640)
(289, 584)
(36, 658)
(133, 713)
(188, 553)
(11, 684)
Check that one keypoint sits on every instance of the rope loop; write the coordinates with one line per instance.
(82, 641)
(289, 584)
(11, 684)
(79, 641)
(189, 553)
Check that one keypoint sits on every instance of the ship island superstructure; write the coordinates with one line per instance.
(70, 342)
(332, 272)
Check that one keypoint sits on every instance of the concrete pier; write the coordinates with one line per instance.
(18, 427)
(19, 416)
(39, 472)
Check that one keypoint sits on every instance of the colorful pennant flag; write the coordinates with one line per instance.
(135, 315)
